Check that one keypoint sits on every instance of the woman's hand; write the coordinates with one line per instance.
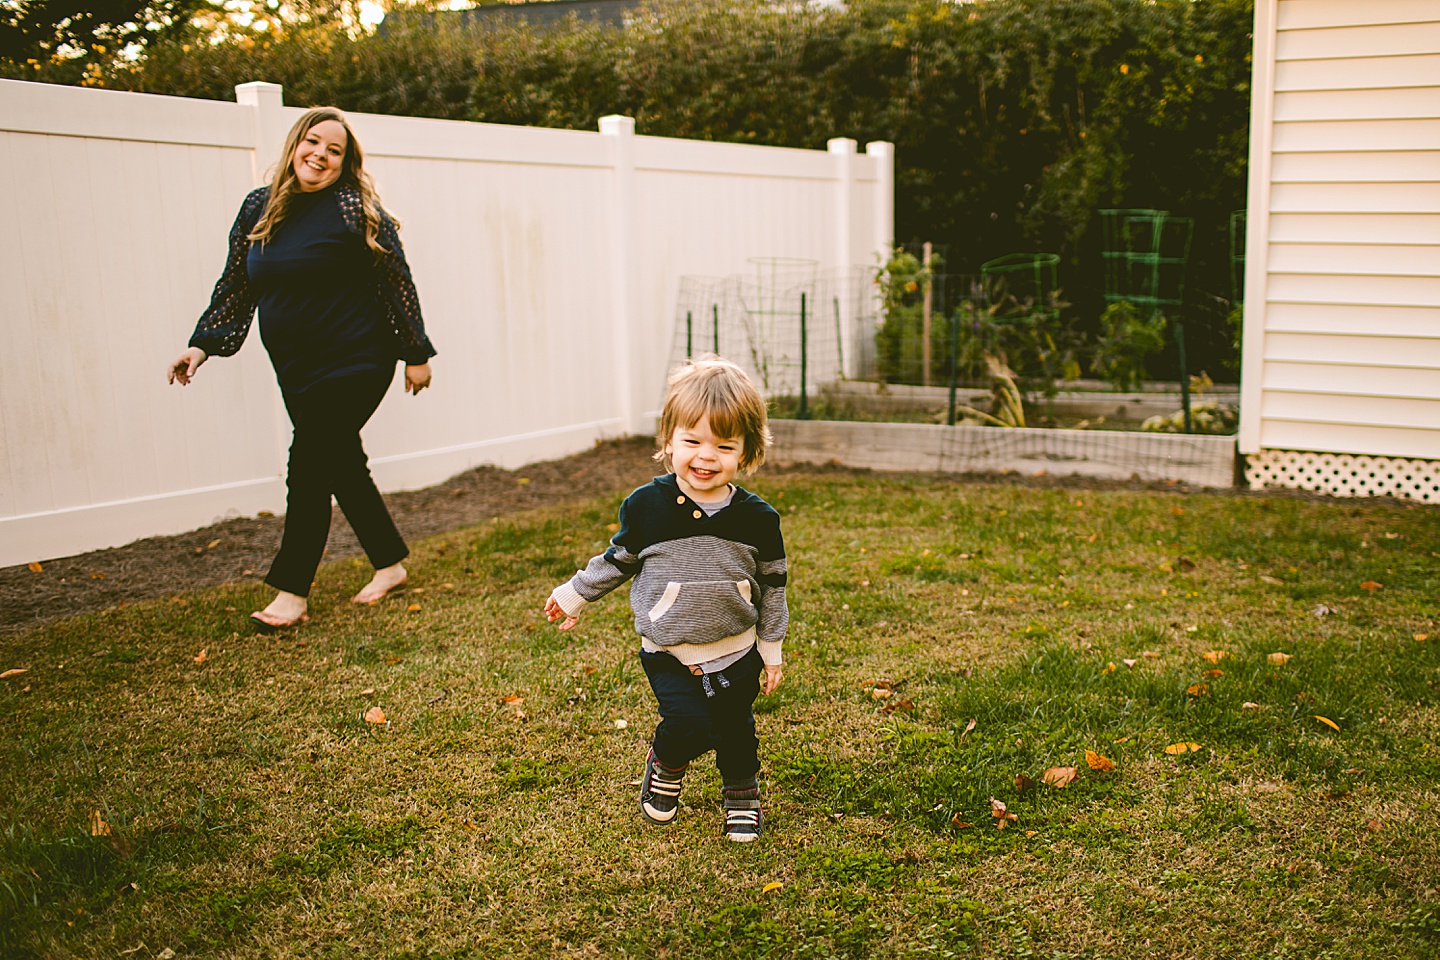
(417, 377)
(183, 367)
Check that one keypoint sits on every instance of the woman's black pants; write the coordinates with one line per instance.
(326, 458)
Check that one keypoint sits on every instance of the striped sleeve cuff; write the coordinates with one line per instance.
(570, 601)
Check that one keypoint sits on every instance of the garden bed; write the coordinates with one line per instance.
(1196, 460)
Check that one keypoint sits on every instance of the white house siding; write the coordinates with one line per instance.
(1342, 306)
(547, 261)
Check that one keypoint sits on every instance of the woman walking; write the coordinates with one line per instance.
(322, 260)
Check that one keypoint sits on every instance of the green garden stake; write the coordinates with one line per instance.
(715, 312)
(689, 349)
(803, 411)
(839, 340)
(954, 363)
(1184, 373)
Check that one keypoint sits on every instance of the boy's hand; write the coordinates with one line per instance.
(553, 612)
(773, 675)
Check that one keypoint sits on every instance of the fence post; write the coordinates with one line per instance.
(842, 152)
(267, 100)
(882, 226)
(620, 133)
(803, 412)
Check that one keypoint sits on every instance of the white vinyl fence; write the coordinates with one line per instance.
(548, 265)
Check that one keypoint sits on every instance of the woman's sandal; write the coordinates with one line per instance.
(267, 628)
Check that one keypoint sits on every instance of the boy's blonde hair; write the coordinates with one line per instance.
(723, 394)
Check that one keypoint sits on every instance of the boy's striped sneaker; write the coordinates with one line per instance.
(743, 820)
(660, 791)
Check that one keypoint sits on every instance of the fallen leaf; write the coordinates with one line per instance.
(1122, 740)
(621, 724)
(1328, 722)
(880, 693)
(1273, 581)
(1187, 746)
(1096, 762)
(1213, 656)
(1213, 674)
(1059, 777)
(1320, 610)
(968, 727)
(772, 886)
(1150, 655)
(412, 608)
(1374, 826)
(34, 566)
(512, 698)
(522, 480)
(201, 657)
(1130, 663)
(1198, 689)
(213, 544)
(1001, 815)
(1031, 833)
(375, 715)
(167, 953)
(1109, 668)
(1023, 783)
(367, 691)
(903, 706)
(613, 528)
(1422, 637)
(521, 715)
(394, 660)
(13, 672)
(1279, 659)
(98, 826)
(1185, 563)
(959, 824)
(1178, 511)
(1249, 705)
(1371, 585)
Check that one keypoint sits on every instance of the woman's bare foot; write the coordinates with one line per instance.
(286, 610)
(385, 580)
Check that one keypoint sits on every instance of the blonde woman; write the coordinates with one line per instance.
(322, 260)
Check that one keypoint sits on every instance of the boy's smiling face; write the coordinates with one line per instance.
(704, 464)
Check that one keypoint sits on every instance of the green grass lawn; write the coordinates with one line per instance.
(253, 812)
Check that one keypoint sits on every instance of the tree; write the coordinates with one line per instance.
(42, 29)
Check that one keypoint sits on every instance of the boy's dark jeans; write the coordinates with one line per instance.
(692, 723)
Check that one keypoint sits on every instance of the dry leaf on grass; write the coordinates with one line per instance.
(367, 691)
(201, 657)
(968, 727)
(772, 886)
(13, 672)
(1213, 656)
(412, 608)
(880, 693)
(34, 566)
(1328, 722)
(901, 706)
(1422, 637)
(1150, 655)
(1023, 783)
(1001, 815)
(1099, 763)
(98, 826)
(1198, 689)
(1279, 659)
(621, 724)
(1185, 746)
(1371, 585)
(1213, 674)
(1130, 663)
(375, 715)
(1031, 833)
(960, 824)
(1059, 777)
(512, 698)
(1109, 668)
(1374, 826)
(1249, 705)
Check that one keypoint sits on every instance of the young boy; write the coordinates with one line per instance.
(709, 591)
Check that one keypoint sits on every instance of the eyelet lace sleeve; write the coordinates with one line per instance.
(224, 324)
(397, 293)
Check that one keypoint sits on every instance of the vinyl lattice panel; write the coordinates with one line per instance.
(1345, 475)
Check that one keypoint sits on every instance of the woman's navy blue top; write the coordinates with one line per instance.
(328, 306)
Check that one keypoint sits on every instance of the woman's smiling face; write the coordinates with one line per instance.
(320, 156)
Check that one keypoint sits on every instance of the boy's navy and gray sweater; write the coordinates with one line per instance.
(705, 586)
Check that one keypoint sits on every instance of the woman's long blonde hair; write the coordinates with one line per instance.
(284, 184)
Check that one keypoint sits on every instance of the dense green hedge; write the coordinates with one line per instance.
(1014, 120)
